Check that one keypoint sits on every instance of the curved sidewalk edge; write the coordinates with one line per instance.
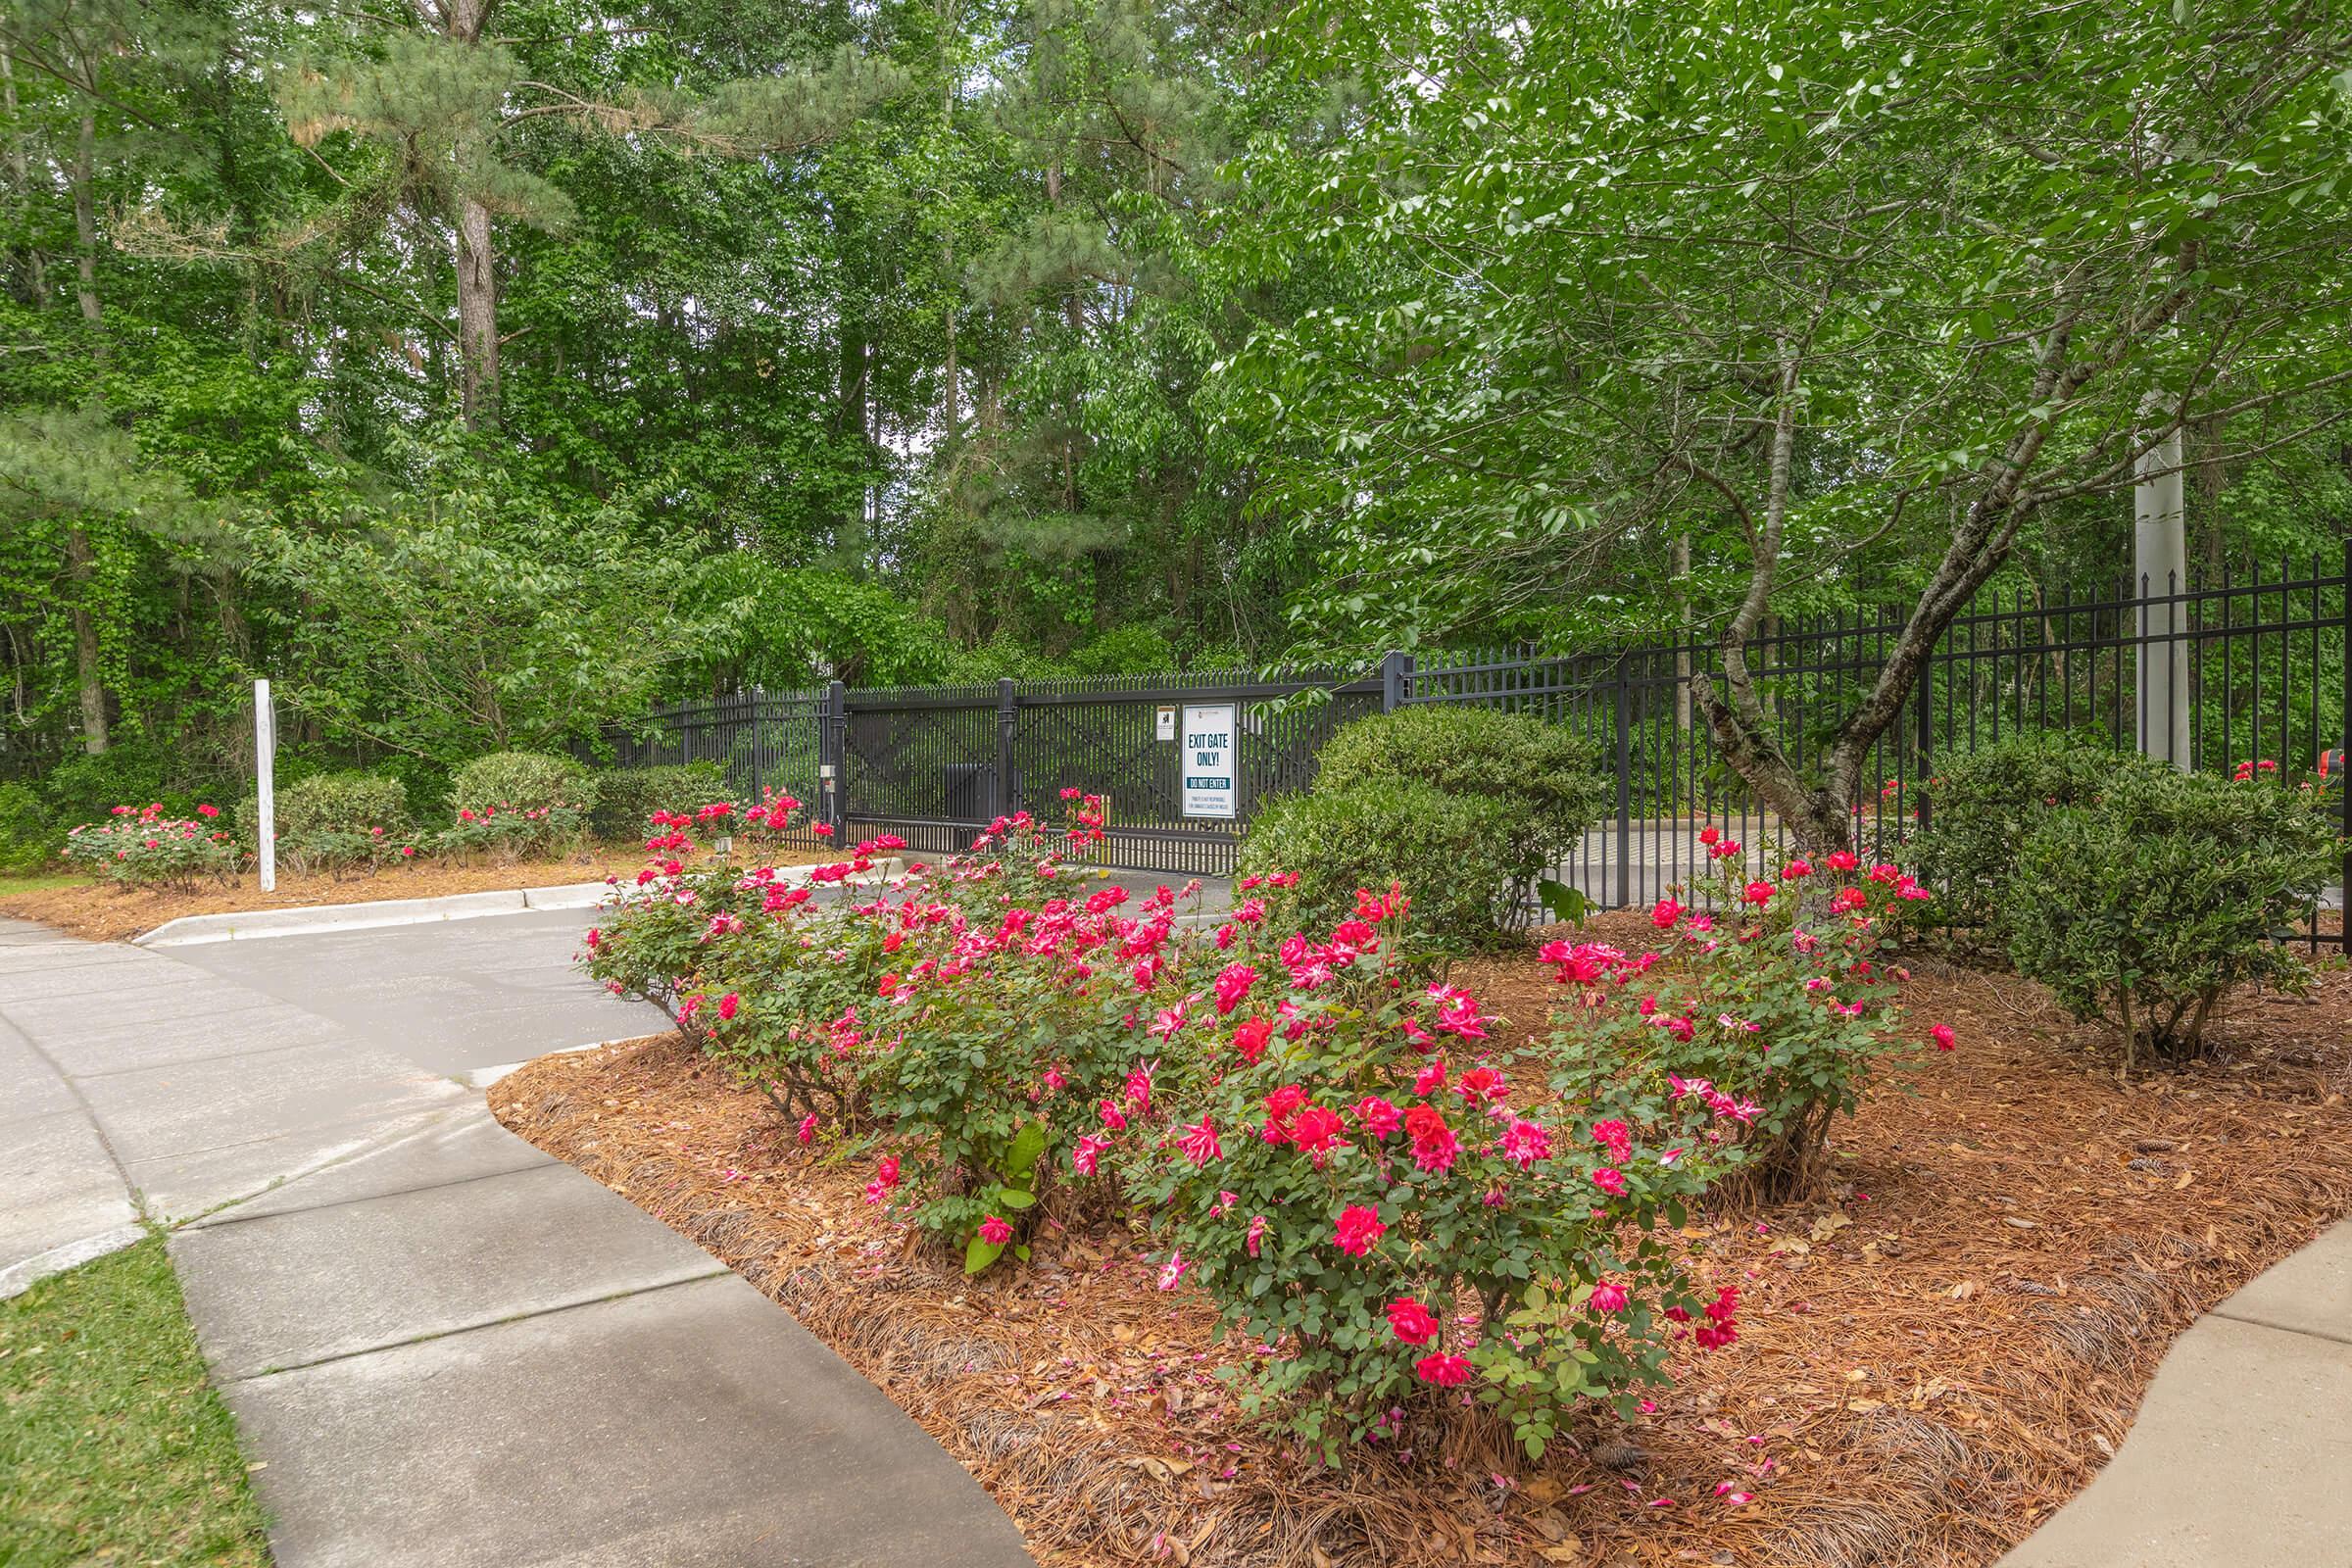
(17, 1278)
(248, 925)
(2242, 1445)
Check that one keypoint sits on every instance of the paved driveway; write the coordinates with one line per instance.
(452, 995)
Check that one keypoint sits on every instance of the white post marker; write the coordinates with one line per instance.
(265, 793)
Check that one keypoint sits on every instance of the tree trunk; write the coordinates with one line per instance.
(477, 314)
(19, 177)
(477, 262)
(853, 419)
(952, 415)
(1817, 818)
(85, 224)
(78, 571)
(1682, 634)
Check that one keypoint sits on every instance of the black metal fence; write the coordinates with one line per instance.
(2253, 664)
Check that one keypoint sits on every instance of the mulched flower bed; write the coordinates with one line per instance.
(1930, 1361)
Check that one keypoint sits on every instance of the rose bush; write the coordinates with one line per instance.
(1308, 1121)
(139, 845)
(1338, 1164)
(505, 836)
(1772, 1010)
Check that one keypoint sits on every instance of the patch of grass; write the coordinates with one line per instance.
(113, 1447)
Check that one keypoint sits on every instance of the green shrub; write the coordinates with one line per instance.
(335, 823)
(1454, 854)
(28, 840)
(1544, 773)
(1984, 804)
(2145, 906)
(522, 781)
(331, 802)
(625, 796)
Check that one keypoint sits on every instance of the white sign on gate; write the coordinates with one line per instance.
(1210, 762)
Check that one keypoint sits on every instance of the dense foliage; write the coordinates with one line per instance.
(2145, 906)
(484, 370)
(1984, 804)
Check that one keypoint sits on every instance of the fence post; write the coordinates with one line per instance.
(1923, 722)
(2344, 784)
(1008, 714)
(832, 756)
(751, 700)
(1395, 674)
(1625, 784)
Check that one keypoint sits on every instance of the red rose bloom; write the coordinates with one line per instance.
(1414, 1324)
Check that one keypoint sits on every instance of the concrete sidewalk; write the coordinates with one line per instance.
(2241, 1453)
(444, 1347)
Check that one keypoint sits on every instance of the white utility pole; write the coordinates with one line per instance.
(265, 795)
(2160, 569)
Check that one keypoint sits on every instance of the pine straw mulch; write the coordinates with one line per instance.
(102, 912)
(1931, 1360)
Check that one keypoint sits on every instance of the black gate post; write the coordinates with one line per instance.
(753, 700)
(1924, 740)
(2344, 784)
(1009, 717)
(832, 756)
(1625, 784)
(1396, 676)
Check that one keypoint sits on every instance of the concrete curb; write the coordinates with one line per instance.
(248, 925)
(17, 1278)
(251, 925)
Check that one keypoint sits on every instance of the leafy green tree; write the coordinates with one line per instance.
(1856, 295)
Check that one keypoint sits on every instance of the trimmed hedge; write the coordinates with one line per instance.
(331, 802)
(522, 781)
(1468, 806)
(1985, 804)
(625, 796)
(1547, 776)
(2145, 908)
(1452, 853)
